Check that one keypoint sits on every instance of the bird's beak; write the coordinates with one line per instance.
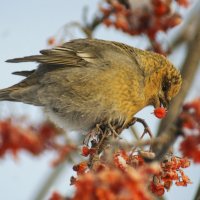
(164, 102)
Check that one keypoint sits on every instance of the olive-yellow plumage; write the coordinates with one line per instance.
(87, 81)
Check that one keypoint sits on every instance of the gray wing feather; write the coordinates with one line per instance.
(70, 54)
(80, 53)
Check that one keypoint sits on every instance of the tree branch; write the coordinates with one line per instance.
(188, 72)
(187, 29)
(50, 181)
(197, 195)
(170, 126)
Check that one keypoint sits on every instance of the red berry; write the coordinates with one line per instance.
(80, 168)
(107, 22)
(160, 112)
(85, 151)
(51, 41)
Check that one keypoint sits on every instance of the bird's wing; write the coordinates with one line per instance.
(93, 53)
(77, 53)
(146, 62)
(83, 53)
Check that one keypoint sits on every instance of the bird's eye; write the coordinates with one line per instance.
(166, 85)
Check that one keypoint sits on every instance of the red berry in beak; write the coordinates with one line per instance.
(160, 112)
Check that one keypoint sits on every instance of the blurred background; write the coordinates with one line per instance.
(25, 29)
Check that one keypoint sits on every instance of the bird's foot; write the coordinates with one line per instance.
(99, 138)
(93, 134)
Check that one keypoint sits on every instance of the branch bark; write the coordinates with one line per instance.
(50, 181)
(197, 196)
(188, 72)
(187, 29)
(170, 126)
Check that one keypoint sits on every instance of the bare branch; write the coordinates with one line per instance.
(197, 196)
(187, 29)
(188, 72)
(90, 28)
(50, 181)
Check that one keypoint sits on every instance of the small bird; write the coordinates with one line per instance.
(86, 82)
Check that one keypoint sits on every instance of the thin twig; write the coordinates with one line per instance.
(89, 28)
(134, 133)
(50, 181)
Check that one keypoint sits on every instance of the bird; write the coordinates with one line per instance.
(85, 82)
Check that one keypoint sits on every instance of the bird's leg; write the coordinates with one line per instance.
(103, 132)
(99, 144)
(143, 122)
(106, 133)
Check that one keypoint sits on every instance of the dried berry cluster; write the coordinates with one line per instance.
(143, 17)
(133, 17)
(190, 121)
(126, 176)
(14, 138)
(170, 172)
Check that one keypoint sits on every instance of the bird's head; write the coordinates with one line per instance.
(163, 79)
(170, 85)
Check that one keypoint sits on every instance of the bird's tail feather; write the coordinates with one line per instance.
(5, 95)
(25, 59)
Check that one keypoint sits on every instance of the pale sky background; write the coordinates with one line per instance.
(25, 27)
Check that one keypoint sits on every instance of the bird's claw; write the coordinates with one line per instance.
(92, 134)
(142, 121)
